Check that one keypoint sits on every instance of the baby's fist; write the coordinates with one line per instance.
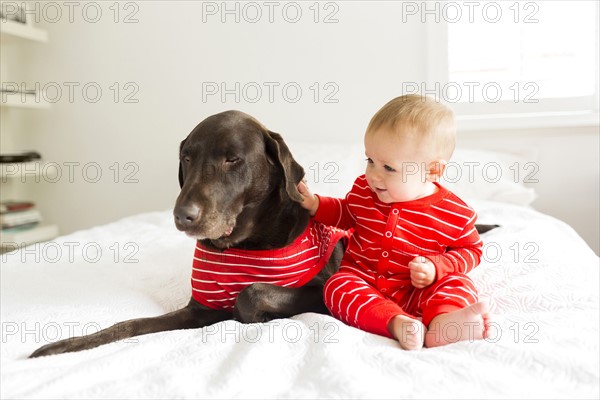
(422, 272)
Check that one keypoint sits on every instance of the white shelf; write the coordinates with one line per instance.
(25, 101)
(12, 241)
(19, 34)
(11, 31)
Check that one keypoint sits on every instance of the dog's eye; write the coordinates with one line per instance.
(232, 160)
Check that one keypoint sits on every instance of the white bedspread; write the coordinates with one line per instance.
(540, 277)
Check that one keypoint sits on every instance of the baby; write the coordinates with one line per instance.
(404, 272)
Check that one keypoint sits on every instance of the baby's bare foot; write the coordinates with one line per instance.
(410, 333)
(470, 323)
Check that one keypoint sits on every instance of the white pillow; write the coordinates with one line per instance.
(492, 175)
(331, 169)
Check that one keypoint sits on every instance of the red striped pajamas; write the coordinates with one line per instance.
(373, 283)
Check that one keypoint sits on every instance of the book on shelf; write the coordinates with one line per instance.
(23, 156)
(18, 215)
(21, 225)
(12, 206)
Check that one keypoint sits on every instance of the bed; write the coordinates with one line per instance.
(540, 278)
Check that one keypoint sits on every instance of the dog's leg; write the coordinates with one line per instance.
(262, 302)
(194, 315)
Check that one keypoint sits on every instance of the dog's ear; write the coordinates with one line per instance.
(292, 171)
(180, 166)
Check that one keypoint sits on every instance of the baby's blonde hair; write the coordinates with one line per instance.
(433, 121)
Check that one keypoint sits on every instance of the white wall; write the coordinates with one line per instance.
(170, 54)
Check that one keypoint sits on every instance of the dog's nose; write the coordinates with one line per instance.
(186, 215)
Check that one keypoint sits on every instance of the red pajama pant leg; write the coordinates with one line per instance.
(452, 292)
(352, 300)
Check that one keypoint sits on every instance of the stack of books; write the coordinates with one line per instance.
(17, 216)
(21, 226)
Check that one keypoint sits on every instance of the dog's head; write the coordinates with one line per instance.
(229, 165)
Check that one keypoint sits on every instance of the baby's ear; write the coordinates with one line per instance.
(435, 170)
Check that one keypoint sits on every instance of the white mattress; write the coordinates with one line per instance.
(538, 274)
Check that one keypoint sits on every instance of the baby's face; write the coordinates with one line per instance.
(397, 166)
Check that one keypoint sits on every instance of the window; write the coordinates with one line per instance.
(518, 59)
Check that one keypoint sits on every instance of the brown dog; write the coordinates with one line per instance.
(238, 192)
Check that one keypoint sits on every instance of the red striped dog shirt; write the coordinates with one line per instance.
(218, 277)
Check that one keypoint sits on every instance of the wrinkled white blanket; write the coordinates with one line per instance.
(540, 277)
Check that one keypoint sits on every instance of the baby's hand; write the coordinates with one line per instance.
(310, 201)
(422, 272)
